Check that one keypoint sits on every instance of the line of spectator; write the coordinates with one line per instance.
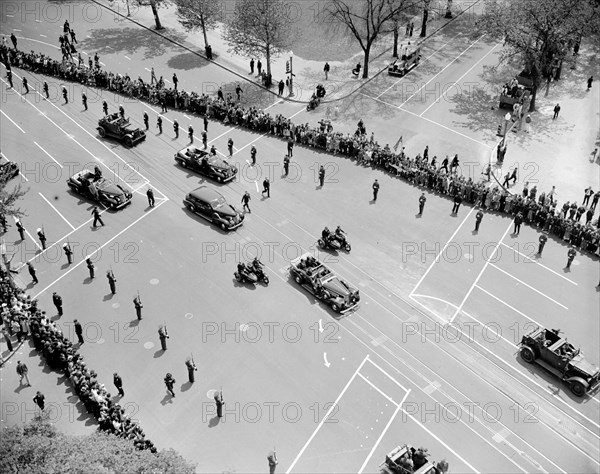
(540, 211)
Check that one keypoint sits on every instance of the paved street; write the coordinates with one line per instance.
(430, 358)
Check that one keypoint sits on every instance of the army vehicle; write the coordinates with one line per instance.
(114, 126)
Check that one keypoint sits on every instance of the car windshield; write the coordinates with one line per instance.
(218, 203)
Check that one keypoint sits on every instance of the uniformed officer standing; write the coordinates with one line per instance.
(253, 155)
(118, 381)
(170, 382)
(176, 128)
(68, 253)
(84, 100)
(191, 134)
(112, 281)
(9, 77)
(230, 147)
(272, 458)
(91, 267)
(57, 300)
(25, 85)
(105, 107)
(205, 121)
(204, 139)
(543, 240)
(321, 176)
(191, 367)
(478, 218)
(146, 121)
(286, 165)
(45, 87)
(375, 190)
(290, 147)
(163, 335)
(570, 256)
(422, 200)
(518, 221)
(65, 95)
(137, 302)
(219, 401)
(21, 229)
(42, 238)
(159, 124)
(121, 111)
(150, 195)
(78, 331)
(97, 218)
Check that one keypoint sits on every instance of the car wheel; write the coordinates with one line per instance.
(223, 226)
(101, 132)
(266, 280)
(190, 207)
(219, 179)
(238, 277)
(348, 248)
(577, 388)
(527, 355)
(113, 206)
(335, 307)
(128, 142)
(321, 243)
(298, 279)
(181, 163)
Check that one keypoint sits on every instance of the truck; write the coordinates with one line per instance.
(406, 459)
(115, 126)
(545, 347)
(325, 285)
(522, 85)
(408, 61)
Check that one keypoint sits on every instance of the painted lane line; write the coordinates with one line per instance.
(378, 390)
(49, 155)
(22, 175)
(541, 265)
(12, 121)
(127, 57)
(189, 118)
(256, 182)
(508, 341)
(73, 267)
(43, 36)
(529, 286)
(460, 78)
(57, 211)
(333, 406)
(389, 376)
(487, 262)
(147, 69)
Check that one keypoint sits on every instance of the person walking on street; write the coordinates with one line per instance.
(204, 139)
(137, 303)
(457, 203)
(422, 200)
(163, 336)
(266, 187)
(32, 273)
(57, 300)
(121, 111)
(543, 239)
(191, 368)
(272, 458)
(23, 372)
(191, 134)
(118, 381)
(65, 95)
(252, 66)
(245, 201)
(84, 100)
(13, 38)
(570, 256)
(556, 111)
(258, 66)
(40, 400)
(286, 165)
(589, 82)
(150, 195)
(10, 79)
(375, 190)
(175, 81)
(205, 122)
(326, 70)
(90, 267)
(42, 238)
(112, 281)
(518, 221)
(78, 331)
(159, 124)
(176, 128)
(321, 176)
(25, 85)
(253, 155)
(478, 218)
(219, 402)
(97, 218)
(506, 181)
(152, 77)
(230, 147)
(170, 383)
(146, 121)
(21, 229)
(290, 147)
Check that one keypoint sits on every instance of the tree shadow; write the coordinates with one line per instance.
(187, 61)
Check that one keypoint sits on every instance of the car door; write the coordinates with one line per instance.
(204, 208)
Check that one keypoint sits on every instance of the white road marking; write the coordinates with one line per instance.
(189, 118)
(487, 262)
(333, 406)
(529, 286)
(12, 121)
(57, 211)
(147, 69)
(378, 390)
(389, 376)
(543, 266)
(127, 57)
(51, 157)
(43, 36)
(256, 182)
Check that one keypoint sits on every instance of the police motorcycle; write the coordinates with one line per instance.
(258, 269)
(328, 240)
(245, 274)
(340, 236)
(315, 100)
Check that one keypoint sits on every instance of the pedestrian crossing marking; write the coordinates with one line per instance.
(432, 387)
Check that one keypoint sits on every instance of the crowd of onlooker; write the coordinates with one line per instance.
(440, 176)
(21, 317)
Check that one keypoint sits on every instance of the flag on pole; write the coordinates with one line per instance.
(398, 143)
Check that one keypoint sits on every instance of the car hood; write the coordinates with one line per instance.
(108, 187)
(220, 163)
(337, 286)
(227, 211)
(583, 365)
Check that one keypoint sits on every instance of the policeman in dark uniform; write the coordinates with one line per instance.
(137, 302)
(286, 165)
(375, 190)
(422, 200)
(25, 85)
(570, 256)
(205, 121)
(457, 203)
(97, 218)
(253, 155)
(146, 121)
(121, 111)
(91, 267)
(78, 331)
(32, 272)
(68, 253)
(112, 281)
(191, 134)
(84, 100)
(321, 176)
(176, 128)
(105, 107)
(57, 300)
(230, 147)
(150, 195)
(543, 240)
(518, 221)
(118, 381)
(478, 218)
(266, 187)
(159, 124)
(219, 401)
(163, 336)
(170, 382)
(246, 201)
(65, 95)
(290, 147)
(21, 229)
(191, 367)
(42, 238)
(9, 77)
(204, 139)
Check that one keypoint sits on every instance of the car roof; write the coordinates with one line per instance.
(206, 194)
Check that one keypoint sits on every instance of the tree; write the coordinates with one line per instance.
(9, 197)
(540, 32)
(366, 20)
(154, 4)
(260, 28)
(37, 447)
(197, 14)
(448, 9)
(426, 4)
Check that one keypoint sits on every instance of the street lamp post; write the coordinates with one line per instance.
(291, 75)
